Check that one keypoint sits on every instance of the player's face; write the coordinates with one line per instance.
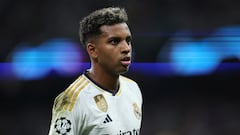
(114, 48)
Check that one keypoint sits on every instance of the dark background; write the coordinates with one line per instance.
(173, 104)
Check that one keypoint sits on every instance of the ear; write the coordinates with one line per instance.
(92, 50)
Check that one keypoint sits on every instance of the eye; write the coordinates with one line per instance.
(128, 40)
(114, 41)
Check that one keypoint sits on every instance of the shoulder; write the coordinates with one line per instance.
(66, 100)
(129, 82)
(131, 87)
(126, 79)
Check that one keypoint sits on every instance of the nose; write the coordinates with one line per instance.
(126, 47)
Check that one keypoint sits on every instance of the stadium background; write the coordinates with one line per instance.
(186, 60)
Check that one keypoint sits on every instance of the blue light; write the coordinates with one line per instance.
(228, 31)
(65, 56)
(59, 55)
(192, 57)
(28, 65)
(228, 39)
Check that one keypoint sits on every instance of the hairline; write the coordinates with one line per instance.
(120, 17)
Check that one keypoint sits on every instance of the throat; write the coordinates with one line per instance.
(109, 83)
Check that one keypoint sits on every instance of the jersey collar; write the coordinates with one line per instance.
(100, 86)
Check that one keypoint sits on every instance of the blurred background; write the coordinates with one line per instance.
(186, 61)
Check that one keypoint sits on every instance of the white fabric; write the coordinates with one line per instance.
(75, 111)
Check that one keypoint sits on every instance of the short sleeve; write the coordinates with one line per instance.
(64, 121)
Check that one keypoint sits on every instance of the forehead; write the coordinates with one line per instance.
(116, 30)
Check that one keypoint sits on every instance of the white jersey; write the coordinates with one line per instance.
(85, 108)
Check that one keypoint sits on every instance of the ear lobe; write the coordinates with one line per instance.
(91, 49)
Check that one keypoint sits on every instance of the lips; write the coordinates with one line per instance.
(126, 61)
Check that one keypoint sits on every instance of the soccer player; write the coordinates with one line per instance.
(101, 101)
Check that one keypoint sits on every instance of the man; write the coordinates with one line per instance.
(101, 101)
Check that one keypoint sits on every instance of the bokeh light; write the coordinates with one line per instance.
(59, 55)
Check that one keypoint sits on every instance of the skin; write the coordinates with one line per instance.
(110, 55)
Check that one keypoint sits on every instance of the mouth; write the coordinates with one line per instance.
(126, 61)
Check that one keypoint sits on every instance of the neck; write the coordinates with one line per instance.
(107, 80)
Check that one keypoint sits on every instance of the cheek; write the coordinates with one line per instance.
(108, 56)
(108, 53)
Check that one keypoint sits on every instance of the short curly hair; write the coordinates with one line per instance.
(90, 25)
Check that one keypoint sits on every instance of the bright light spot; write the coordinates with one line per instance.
(28, 65)
(193, 57)
(65, 56)
(228, 39)
(59, 55)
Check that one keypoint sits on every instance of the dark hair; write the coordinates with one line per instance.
(90, 25)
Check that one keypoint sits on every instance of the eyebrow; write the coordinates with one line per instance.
(118, 37)
(129, 37)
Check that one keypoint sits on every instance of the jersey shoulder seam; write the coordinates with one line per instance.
(127, 79)
(67, 99)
